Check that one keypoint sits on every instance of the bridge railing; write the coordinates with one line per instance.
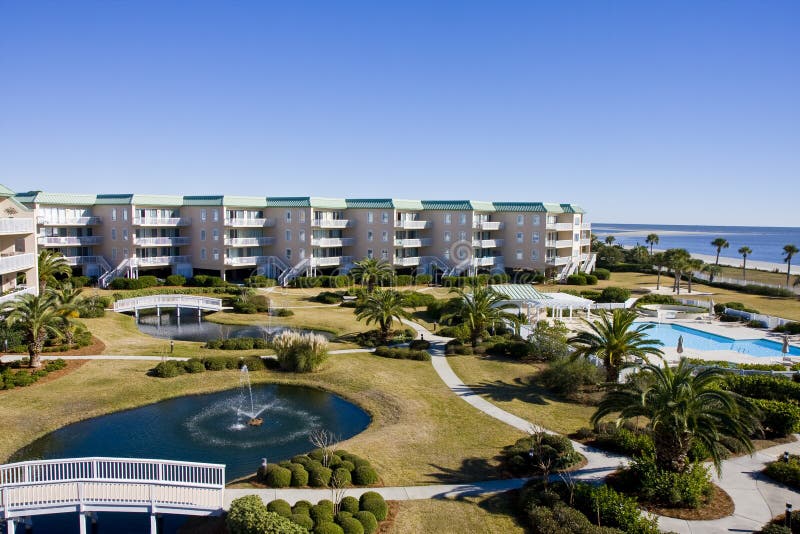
(164, 301)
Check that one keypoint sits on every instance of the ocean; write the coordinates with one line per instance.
(766, 242)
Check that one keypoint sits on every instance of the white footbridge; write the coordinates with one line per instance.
(98, 484)
(168, 301)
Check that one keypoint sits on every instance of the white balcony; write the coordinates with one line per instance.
(161, 241)
(557, 260)
(248, 241)
(410, 224)
(331, 223)
(83, 260)
(12, 225)
(244, 222)
(487, 225)
(157, 261)
(413, 243)
(561, 227)
(162, 221)
(68, 221)
(407, 262)
(484, 262)
(16, 293)
(57, 241)
(17, 262)
(330, 242)
(487, 243)
(586, 242)
(246, 260)
(563, 243)
(586, 226)
(331, 261)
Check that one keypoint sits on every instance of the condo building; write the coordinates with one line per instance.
(18, 272)
(112, 235)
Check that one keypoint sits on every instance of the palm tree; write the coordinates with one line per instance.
(382, 307)
(37, 316)
(614, 339)
(68, 301)
(720, 243)
(712, 270)
(371, 271)
(677, 260)
(788, 252)
(51, 263)
(693, 265)
(682, 408)
(479, 309)
(659, 260)
(610, 239)
(744, 251)
(652, 239)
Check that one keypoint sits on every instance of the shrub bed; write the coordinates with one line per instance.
(372, 338)
(300, 353)
(652, 485)
(12, 375)
(785, 472)
(307, 470)
(237, 343)
(526, 456)
(402, 354)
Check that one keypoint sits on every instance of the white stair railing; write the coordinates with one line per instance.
(290, 274)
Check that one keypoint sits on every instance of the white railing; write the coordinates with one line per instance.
(560, 227)
(558, 260)
(585, 242)
(169, 241)
(83, 260)
(484, 262)
(332, 241)
(331, 223)
(740, 282)
(564, 243)
(18, 292)
(110, 484)
(248, 241)
(487, 225)
(162, 221)
(248, 260)
(56, 241)
(407, 262)
(168, 301)
(414, 242)
(330, 261)
(68, 221)
(161, 260)
(245, 222)
(487, 243)
(586, 226)
(12, 225)
(412, 224)
(17, 262)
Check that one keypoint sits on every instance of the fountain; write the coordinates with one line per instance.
(245, 394)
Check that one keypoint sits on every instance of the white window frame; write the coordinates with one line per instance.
(215, 235)
(537, 220)
(113, 234)
(288, 235)
(202, 253)
(215, 215)
(462, 218)
(370, 217)
(520, 237)
(124, 234)
(384, 217)
(448, 218)
(370, 235)
(385, 236)
(448, 237)
(113, 214)
(370, 253)
(518, 254)
(288, 216)
(520, 220)
(535, 237)
(215, 254)
(203, 214)
(203, 234)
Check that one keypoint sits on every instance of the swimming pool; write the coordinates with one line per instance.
(697, 339)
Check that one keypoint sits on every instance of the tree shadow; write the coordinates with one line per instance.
(523, 389)
(469, 470)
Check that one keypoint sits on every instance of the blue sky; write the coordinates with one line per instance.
(642, 112)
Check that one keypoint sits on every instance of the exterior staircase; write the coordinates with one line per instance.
(290, 274)
(126, 267)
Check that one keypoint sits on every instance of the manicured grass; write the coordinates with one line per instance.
(421, 433)
(753, 275)
(489, 515)
(509, 385)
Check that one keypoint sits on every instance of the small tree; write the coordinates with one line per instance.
(719, 243)
(382, 306)
(788, 252)
(371, 271)
(480, 308)
(38, 317)
(326, 442)
(51, 264)
(652, 239)
(745, 251)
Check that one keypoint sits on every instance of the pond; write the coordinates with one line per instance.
(189, 327)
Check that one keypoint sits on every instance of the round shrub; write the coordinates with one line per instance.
(365, 476)
(349, 504)
(317, 454)
(299, 475)
(321, 514)
(280, 477)
(342, 476)
(285, 463)
(367, 520)
(339, 517)
(351, 525)
(334, 461)
(302, 507)
(373, 502)
(301, 459)
(328, 527)
(175, 280)
(248, 515)
(169, 369)
(359, 461)
(193, 365)
(319, 476)
(327, 503)
(304, 520)
(280, 507)
(346, 464)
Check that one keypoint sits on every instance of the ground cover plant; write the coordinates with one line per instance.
(13, 375)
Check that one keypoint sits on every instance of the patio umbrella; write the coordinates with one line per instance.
(711, 306)
(785, 348)
(680, 345)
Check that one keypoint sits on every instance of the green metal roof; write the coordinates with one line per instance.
(328, 203)
(452, 205)
(244, 201)
(407, 204)
(570, 208)
(203, 200)
(537, 207)
(369, 203)
(520, 292)
(479, 205)
(69, 199)
(115, 199)
(288, 202)
(5, 192)
(174, 201)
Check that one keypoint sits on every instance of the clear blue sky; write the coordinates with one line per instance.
(679, 112)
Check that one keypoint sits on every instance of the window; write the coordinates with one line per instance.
(113, 253)
(203, 214)
(215, 254)
(302, 216)
(384, 236)
(384, 254)
(202, 235)
(462, 218)
(301, 235)
(535, 237)
(520, 220)
(520, 237)
(124, 215)
(302, 251)
(534, 255)
(124, 234)
(215, 215)
(215, 234)
(125, 252)
(577, 220)
(462, 236)
(448, 218)
(288, 216)
(447, 237)
(537, 220)
(369, 253)
(113, 234)
(385, 217)
(202, 253)
(288, 235)
(369, 235)
(370, 217)
(577, 237)
(113, 214)
(519, 254)
(446, 254)
(289, 254)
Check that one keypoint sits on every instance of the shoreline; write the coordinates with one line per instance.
(729, 261)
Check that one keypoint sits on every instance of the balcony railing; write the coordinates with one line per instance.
(586, 242)
(331, 261)
(557, 260)
(413, 242)
(560, 227)
(176, 241)
(248, 241)
(57, 241)
(17, 262)
(68, 221)
(83, 260)
(329, 242)
(586, 226)
(162, 221)
(487, 225)
(487, 243)
(564, 243)
(241, 222)
(246, 260)
(484, 262)
(411, 224)
(16, 293)
(331, 223)
(407, 262)
(12, 225)
(154, 261)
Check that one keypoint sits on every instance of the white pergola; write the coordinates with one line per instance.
(535, 305)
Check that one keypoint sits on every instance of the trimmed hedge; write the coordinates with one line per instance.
(349, 504)
(402, 354)
(557, 450)
(365, 475)
(785, 472)
(763, 387)
(375, 504)
(248, 515)
(280, 477)
(280, 507)
(237, 343)
(367, 520)
(778, 418)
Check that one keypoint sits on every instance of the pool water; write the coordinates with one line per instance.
(699, 340)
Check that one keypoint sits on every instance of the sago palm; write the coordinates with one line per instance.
(382, 307)
(371, 271)
(50, 264)
(38, 318)
(682, 408)
(614, 339)
(68, 302)
(480, 308)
